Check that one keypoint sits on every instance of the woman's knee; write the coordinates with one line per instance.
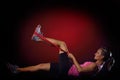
(44, 66)
(62, 43)
(63, 46)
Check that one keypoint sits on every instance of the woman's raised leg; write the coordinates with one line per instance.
(57, 43)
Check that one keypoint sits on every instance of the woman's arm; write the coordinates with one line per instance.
(72, 57)
(88, 68)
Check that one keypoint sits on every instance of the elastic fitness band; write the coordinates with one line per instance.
(43, 38)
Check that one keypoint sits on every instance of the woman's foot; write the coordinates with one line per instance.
(12, 68)
(38, 31)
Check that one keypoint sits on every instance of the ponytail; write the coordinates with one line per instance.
(110, 62)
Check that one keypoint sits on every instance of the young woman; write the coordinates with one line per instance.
(64, 66)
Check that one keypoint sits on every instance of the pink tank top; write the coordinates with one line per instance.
(73, 70)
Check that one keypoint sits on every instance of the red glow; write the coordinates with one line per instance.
(80, 32)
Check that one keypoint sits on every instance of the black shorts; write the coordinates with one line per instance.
(62, 66)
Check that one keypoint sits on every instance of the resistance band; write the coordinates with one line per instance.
(43, 38)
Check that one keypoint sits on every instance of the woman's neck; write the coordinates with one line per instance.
(99, 62)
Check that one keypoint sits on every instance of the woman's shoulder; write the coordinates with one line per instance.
(90, 63)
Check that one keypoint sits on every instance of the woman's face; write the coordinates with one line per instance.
(98, 55)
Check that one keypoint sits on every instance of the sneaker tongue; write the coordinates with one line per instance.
(38, 29)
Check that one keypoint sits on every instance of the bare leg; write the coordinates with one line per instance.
(58, 43)
(38, 36)
(42, 66)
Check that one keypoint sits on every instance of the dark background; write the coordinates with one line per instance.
(15, 11)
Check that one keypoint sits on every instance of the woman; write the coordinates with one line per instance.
(64, 66)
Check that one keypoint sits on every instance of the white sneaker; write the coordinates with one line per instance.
(37, 30)
(12, 68)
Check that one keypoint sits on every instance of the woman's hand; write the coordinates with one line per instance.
(71, 56)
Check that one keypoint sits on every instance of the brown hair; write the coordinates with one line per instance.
(106, 53)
